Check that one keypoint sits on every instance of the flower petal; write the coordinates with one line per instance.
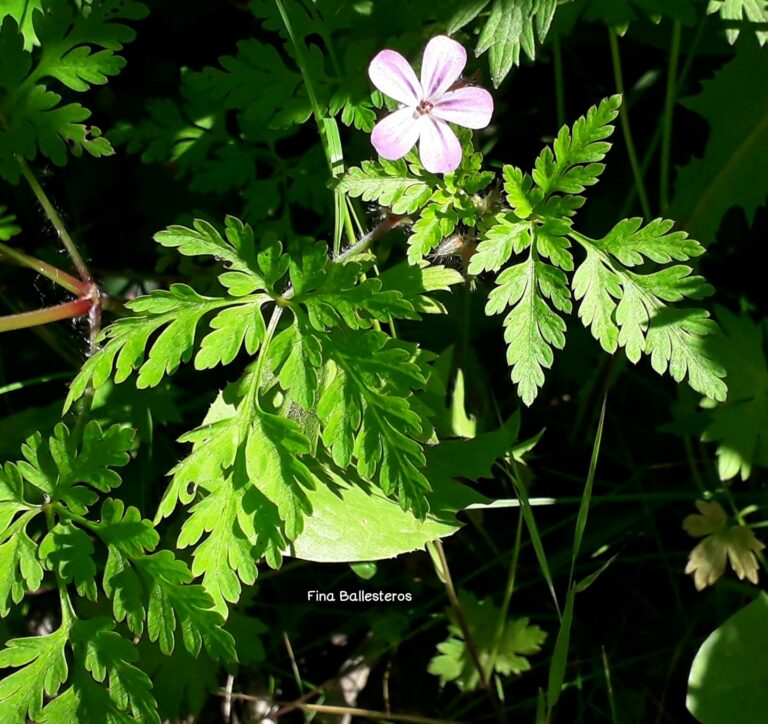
(469, 107)
(439, 149)
(393, 76)
(443, 61)
(396, 134)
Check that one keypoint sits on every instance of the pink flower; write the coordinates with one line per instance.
(428, 106)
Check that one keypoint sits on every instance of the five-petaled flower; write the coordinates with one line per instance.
(428, 106)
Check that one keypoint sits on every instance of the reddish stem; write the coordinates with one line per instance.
(69, 310)
(56, 275)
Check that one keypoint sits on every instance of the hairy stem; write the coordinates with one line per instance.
(669, 110)
(624, 118)
(24, 320)
(56, 275)
(55, 219)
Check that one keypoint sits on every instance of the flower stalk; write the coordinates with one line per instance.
(58, 224)
(56, 275)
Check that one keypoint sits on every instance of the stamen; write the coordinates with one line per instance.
(425, 107)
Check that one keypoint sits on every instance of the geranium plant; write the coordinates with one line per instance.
(258, 362)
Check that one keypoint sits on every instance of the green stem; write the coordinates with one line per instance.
(624, 118)
(390, 222)
(327, 39)
(669, 110)
(656, 140)
(55, 219)
(383, 227)
(692, 464)
(277, 312)
(303, 66)
(56, 275)
(508, 590)
(445, 574)
(67, 612)
(24, 320)
(328, 128)
(13, 386)
(559, 84)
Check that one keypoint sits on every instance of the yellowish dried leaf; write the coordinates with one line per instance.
(724, 541)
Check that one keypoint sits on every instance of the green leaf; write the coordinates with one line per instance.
(255, 79)
(273, 452)
(512, 26)
(532, 327)
(227, 555)
(42, 669)
(20, 569)
(728, 681)
(181, 682)
(166, 322)
(730, 173)
(618, 14)
(59, 467)
(8, 225)
(739, 425)
(215, 446)
(366, 414)
(68, 551)
(415, 282)
(237, 250)
(352, 522)
(504, 645)
(173, 598)
(300, 348)
(124, 528)
(24, 13)
(106, 684)
(254, 493)
(435, 223)
(625, 309)
(466, 13)
(123, 585)
(176, 312)
(127, 536)
(78, 49)
(739, 14)
(389, 184)
(233, 329)
(470, 459)
(157, 588)
(573, 162)
(517, 186)
(509, 234)
(334, 295)
(355, 524)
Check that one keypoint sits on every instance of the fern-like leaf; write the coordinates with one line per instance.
(631, 310)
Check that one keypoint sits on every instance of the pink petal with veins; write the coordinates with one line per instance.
(396, 134)
(469, 107)
(439, 149)
(443, 61)
(393, 76)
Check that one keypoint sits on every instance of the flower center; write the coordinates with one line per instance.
(424, 107)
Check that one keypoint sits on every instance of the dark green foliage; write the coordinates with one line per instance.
(78, 50)
(58, 480)
(325, 381)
